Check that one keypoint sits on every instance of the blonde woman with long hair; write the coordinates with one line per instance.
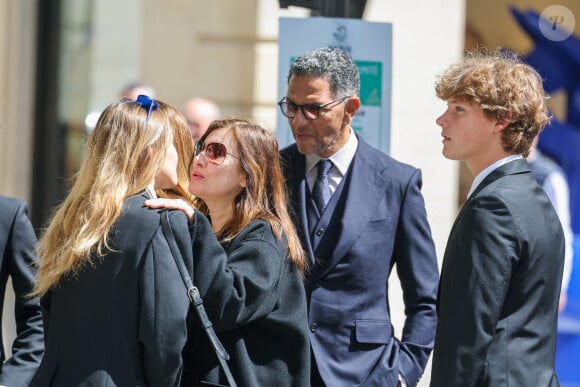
(115, 310)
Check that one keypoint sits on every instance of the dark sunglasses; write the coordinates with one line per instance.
(214, 152)
(310, 111)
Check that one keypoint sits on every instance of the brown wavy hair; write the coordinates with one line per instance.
(264, 196)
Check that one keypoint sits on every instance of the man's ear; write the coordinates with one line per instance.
(244, 181)
(503, 123)
(351, 107)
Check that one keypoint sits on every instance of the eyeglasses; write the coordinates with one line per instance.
(148, 104)
(310, 111)
(214, 152)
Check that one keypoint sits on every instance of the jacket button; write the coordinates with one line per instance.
(319, 232)
(313, 327)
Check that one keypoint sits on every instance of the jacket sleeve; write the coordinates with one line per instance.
(19, 260)
(416, 263)
(163, 312)
(476, 280)
(238, 288)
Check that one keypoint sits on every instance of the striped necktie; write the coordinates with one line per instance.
(321, 189)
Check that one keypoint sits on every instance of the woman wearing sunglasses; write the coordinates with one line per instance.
(114, 313)
(247, 260)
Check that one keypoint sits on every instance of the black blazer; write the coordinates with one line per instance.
(122, 320)
(256, 301)
(17, 259)
(500, 285)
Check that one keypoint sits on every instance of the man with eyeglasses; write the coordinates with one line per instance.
(358, 213)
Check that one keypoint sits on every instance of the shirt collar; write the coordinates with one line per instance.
(150, 191)
(489, 169)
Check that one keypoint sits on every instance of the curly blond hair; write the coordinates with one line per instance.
(506, 88)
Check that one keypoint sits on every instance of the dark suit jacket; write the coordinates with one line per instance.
(122, 320)
(257, 303)
(500, 284)
(379, 221)
(17, 258)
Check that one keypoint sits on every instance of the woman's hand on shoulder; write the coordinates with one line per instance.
(172, 204)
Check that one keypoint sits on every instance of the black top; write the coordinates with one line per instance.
(122, 320)
(256, 300)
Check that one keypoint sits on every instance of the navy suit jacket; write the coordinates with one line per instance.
(17, 258)
(379, 220)
(500, 285)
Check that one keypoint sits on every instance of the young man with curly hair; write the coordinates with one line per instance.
(500, 281)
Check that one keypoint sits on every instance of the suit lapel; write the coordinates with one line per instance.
(7, 215)
(511, 168)
(359, 198)
(294, 170)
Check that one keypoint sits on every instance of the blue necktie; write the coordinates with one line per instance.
(321, 190)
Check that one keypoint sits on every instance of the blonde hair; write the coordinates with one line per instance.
(124, 153)
(183, 142)
(264, 196)
(505, 87)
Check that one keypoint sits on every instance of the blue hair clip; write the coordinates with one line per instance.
(148, 104)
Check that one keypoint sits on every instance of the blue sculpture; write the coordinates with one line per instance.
(559, 63)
